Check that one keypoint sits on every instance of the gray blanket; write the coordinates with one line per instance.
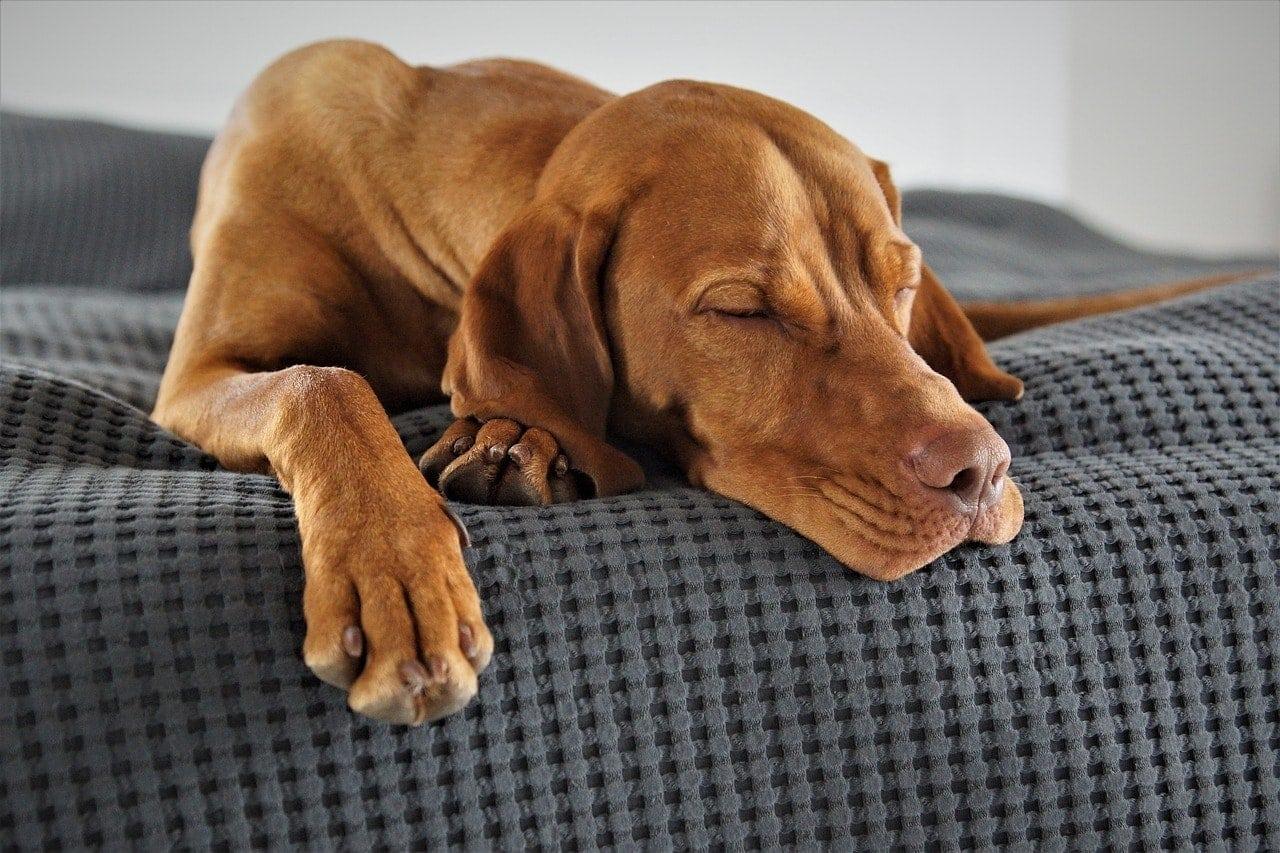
(672, 669)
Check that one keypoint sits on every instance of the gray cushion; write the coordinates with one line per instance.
(672, 669)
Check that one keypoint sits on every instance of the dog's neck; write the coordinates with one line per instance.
(470, 180)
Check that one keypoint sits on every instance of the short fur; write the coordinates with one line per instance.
(694, 266)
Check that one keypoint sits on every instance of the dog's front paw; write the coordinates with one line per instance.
(501, 462)
(392, 614)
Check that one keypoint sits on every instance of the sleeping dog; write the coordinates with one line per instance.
(694, 266)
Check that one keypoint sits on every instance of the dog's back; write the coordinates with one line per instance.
(412, 171)
(348, 200)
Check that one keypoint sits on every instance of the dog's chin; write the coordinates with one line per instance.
(884, 550)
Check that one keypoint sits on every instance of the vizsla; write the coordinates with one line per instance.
(695, 266)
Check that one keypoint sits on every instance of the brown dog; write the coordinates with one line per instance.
(698, 267)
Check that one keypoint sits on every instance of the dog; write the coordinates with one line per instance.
(697, 267)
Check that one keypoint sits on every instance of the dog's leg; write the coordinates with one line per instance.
(391, 611)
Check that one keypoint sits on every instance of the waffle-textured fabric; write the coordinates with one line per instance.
(672, 670)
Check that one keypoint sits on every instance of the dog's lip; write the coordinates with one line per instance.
(844, 535)
(848, 541)
(994, 524)
(988, 502)
(1001, 521)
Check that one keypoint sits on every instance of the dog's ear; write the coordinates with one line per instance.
(531, 343)
(888, 188)
(941, 334)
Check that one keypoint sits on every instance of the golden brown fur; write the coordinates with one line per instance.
(698, 267)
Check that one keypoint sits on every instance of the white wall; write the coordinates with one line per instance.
(956, 93)
(1174, 130)
(987, 95)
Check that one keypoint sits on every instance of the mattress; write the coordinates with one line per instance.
(673, 670)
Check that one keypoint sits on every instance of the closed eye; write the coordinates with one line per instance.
(742, 313)
(734, 299)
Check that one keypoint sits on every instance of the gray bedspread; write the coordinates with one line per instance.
(673, 670)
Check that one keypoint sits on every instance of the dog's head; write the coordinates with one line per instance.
(723, 276)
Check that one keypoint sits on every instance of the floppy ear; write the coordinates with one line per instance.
(941, 334)
(531, 343)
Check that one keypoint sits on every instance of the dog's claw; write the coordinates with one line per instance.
(467, 640)
(439, 669)
(458, 439)
(415, 676)
(500, 462)
(353, 641)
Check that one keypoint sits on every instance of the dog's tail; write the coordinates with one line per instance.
(997, 319)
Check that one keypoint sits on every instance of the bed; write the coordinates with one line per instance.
(673, 670)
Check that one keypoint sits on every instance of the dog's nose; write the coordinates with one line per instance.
(967, 465)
